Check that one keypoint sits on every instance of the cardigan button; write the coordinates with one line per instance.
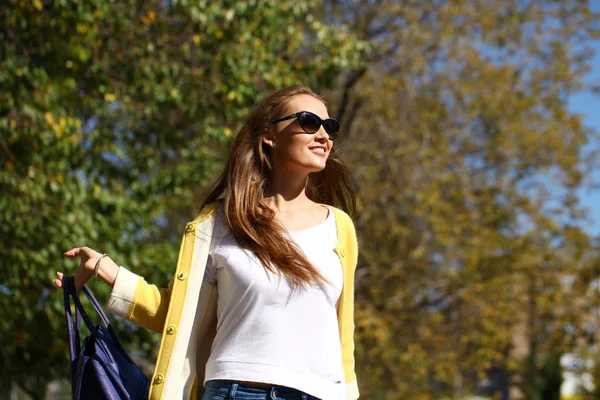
(189, 228)
(158, 379)
(181, 276)
(343, 252)
(171, 329)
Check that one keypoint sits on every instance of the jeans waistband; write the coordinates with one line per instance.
(236, 390)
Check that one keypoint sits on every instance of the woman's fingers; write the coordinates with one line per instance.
(86, 266)
(58, 282)
(80, 279)
(77, 277)
(73, 252)
(69, 253)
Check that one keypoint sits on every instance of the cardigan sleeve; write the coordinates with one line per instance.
(349, 253)
(138, 301)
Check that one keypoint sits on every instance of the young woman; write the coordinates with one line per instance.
(261, 303)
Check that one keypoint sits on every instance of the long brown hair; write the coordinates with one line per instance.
(246, 177)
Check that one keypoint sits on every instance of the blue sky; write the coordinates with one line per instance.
(588, 104)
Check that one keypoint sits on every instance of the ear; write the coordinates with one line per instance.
(269, 141)
(269, 138)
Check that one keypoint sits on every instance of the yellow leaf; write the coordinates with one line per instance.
(227, 132)
(109, 97)
(196, 39)
(82, 28)
(149, 17)
(49, 118)
(60, 129)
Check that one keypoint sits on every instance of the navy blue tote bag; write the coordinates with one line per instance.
(100, 368)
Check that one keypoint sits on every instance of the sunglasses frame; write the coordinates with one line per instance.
(322, 121)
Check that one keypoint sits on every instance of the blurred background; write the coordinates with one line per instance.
(471, 128)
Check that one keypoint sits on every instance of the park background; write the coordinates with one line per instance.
(470, 127)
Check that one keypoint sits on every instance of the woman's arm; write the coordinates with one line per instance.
(345, 306)
(131, 296)
(138, 301)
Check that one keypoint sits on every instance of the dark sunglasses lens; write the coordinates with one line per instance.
(309, 122)
(332, 127)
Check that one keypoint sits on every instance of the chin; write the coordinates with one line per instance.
(317, 168)
(311, 166)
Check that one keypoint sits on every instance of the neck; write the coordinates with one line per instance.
(287, 194)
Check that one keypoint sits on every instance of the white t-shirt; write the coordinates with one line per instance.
(266, 333)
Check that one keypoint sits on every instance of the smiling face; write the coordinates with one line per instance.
(294, 149)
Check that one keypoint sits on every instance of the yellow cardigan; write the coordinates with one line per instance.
(185, 312)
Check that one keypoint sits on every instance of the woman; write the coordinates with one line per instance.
(261, 303)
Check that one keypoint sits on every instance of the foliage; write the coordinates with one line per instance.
(113, 118)
(467, 162)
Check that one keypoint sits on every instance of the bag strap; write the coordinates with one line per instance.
(72, 292)
(103, 317)
(73, 333)
(84, 314)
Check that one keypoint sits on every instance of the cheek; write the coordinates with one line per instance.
(294, 147)
(299, 142)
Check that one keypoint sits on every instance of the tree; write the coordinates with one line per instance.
(114, 117)
(467, 161)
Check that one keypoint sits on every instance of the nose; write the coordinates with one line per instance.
(322, 135)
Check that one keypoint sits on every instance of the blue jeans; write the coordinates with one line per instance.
(220, 389)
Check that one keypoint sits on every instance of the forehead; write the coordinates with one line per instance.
(305, 102)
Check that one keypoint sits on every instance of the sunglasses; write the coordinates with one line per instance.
(311, 123)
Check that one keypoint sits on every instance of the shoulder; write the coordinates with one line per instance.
(208, 211)
(342, 217)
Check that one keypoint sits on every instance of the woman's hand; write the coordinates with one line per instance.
(107, 270)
